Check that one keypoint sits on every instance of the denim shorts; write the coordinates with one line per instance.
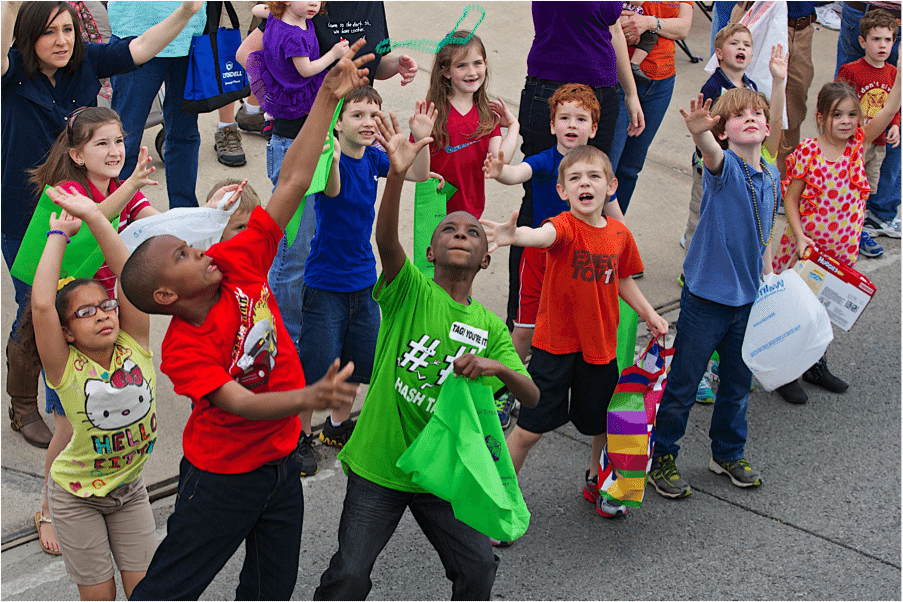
(338, 325)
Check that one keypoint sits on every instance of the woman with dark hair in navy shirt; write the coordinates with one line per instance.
(48, 73)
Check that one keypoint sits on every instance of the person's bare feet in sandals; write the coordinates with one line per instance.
(46, 533)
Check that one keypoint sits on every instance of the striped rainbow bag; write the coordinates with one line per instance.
(631, 427)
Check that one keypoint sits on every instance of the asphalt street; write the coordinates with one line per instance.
(825, 524)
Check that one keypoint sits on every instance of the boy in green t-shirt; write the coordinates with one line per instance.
(430, 328)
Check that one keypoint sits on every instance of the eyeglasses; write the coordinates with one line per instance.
(70, 121)
(86, 311)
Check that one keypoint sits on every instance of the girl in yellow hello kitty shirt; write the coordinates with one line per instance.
(97, 359)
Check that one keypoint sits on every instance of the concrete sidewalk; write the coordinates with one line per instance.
(657, 216)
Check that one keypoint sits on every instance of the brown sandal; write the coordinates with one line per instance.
(38, 519)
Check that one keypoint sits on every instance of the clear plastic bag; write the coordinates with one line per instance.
(199, 228)
(788, 330)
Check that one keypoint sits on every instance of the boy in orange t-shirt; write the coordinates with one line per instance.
(590, 261)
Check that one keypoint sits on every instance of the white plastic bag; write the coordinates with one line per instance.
(767, 23)
(788, 330)
(199, 227)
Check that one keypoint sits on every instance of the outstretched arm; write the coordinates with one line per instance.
(131, 320)
(496, 167)
(300, 161)
(700, 123)
(499, 235)
(421, 124)
(7, 25)
(402, 153)
(508, 145)
(151, 42)
(52, 346)
(401, 64)
(778, 67)
(333, 391)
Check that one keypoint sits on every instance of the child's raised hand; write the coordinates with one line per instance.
(699, 120)
(506, 117)
(227, 192)
(65, 223)
(499, 235)
(492, 166)
(73, 203)
(423, 119)
(407, 69)
(398, 146)
(778, 63)
(348, 73)
(336, 148)
(339, 48)
(141, 176)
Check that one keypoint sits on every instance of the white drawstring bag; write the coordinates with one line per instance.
(200, 228)
(788, 330)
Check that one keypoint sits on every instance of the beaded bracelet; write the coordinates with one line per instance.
(60, 232)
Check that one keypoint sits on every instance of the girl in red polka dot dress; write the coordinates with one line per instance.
(825, 192)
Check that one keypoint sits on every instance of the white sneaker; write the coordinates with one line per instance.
(874, 226)
(827, 17)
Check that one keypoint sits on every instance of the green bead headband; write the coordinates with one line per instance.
(430, 46)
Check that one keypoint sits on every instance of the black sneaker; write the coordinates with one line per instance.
(309, 466)
(793, 392)
(336, 436)
(663, 476)
(819, 375)
(740, 472)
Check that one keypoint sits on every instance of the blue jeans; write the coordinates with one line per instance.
(629, 153)
(10, 247)
(886, 200)
(133, 94)
(286, 275)
(213, 514)
(369, 518)
(338, 325)
(704, 327)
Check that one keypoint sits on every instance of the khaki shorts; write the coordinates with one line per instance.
(90, 529)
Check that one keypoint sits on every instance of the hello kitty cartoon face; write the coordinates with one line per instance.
(124, 400)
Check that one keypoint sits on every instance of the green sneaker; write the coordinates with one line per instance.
(663, 476)
(740, 472)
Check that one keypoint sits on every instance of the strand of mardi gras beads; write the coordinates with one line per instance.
(431, 46)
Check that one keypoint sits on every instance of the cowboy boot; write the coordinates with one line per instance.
(22, 372)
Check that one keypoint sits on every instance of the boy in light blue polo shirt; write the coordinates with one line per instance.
(339, 317)
(728, 254)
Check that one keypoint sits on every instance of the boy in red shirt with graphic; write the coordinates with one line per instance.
(590, 258)
(872, 77)
(228, 350)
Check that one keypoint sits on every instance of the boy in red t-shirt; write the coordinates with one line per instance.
(590, 259)
(228, 350)
(872, 77)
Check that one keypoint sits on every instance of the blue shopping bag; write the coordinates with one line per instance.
(215, 78)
